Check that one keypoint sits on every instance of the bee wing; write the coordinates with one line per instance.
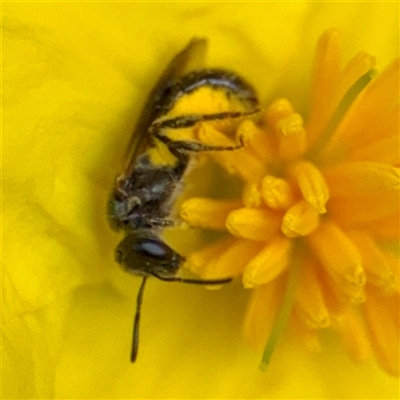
(190, 58)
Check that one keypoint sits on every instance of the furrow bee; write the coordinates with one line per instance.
(142, 200)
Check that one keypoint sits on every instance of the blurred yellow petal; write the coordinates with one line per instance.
(384, 150)
(372, 116)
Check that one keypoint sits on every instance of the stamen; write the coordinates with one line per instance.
(261, 312)
(207, 213)
(300, 220)
(312, 184)
(253, 223)
(310, 302)
(309, 336)
(268, 263)
(198, 260)
(255, 140)
(236, 162)
(232, 260)
(276, 192)
(292, 139)
(353, 335)
(251, 195)
(341, 258)
(378, 271)
(278, 110)
(382, 316)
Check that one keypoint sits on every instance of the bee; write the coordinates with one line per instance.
(142, 200)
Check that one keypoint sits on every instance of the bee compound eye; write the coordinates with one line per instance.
(134, 249)
(152, 248)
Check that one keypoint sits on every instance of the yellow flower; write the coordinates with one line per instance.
(319, 213)
(75, 76)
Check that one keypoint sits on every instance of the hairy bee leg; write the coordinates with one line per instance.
(161, 222)
(183, 146)
(186, 121)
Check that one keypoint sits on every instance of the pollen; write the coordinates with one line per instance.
(314, 234)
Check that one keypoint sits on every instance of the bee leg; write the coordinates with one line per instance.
(161, 222)
(186, 146)
(186, 121)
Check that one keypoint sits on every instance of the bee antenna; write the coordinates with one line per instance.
(136, 323)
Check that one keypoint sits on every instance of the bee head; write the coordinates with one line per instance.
(147, 256)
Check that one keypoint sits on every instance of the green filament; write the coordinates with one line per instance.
(284, 312)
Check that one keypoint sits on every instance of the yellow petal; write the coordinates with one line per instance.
(359, 178)
(207, 213)
(268, 263)
(352, 211)
(300, 220)
(253, 223)
(311, 183)
(385, 228)
(386, 150)
(373, 116)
